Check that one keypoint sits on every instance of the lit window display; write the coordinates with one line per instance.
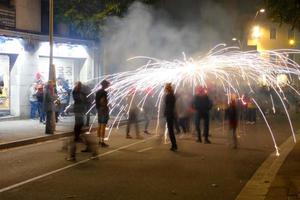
(4, 83)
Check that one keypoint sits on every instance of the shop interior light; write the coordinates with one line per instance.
(10, 45)
(63, 50)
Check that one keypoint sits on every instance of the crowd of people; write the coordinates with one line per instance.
(183, 112)
(40, 103)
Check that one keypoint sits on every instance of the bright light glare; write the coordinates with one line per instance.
(262, 10)
(256, 32)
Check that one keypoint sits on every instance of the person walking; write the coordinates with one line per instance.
(79, 108)
(132, 116)
(169, 114)
(202, 105)
(103, 111)
(233, 117)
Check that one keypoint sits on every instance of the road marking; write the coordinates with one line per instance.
(146, 149)
(72, 165)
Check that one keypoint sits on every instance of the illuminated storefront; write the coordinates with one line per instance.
(20, 63)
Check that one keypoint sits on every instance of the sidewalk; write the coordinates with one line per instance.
(286, 184)
(15, 133)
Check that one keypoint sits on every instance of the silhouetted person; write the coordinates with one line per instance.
(133, 117)
(169, 114)
(103, 111)
(79, 108)
(233, 117)
(202, 105)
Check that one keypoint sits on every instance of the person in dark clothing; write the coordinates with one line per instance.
(202, 105)
(79, 108)
(39, 96)
(133, 116)
(233, 117)
(169, 114)
(103, 111)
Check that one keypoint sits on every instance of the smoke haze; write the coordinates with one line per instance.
(163, 33)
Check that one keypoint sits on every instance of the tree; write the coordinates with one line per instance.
(284, 11)
(86, 17)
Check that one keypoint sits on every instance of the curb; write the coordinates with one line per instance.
(44, 138)
(34, 140)
(258, 186)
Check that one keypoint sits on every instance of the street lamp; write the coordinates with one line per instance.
(262, 10)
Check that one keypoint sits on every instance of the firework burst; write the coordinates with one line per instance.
(226, 68)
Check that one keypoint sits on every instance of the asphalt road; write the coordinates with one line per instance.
(141, 169)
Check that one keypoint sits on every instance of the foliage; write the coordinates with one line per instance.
(85, 17)
(284, 11)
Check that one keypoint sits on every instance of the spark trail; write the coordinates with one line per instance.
(223, 69)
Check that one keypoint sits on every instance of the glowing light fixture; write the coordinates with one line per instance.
(291, 42)
(262, 10)
(256, 32)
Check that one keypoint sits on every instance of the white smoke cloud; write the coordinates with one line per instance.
(146, 31)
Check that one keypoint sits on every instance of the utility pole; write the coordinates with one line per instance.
(52, 76)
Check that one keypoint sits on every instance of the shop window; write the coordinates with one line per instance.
(4, 83)
(273, 33)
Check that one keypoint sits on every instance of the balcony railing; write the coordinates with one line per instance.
(7, 18)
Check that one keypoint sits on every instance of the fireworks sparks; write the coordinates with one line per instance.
(223, 69)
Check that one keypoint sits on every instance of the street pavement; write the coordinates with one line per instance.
(141, 169)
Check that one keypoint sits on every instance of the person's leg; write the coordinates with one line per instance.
(31, 110)
(147, 121)
(78, 126)
(197, 127)
(137, 130)
(170, 125)
(129, 122)
(176, 125)
(206, 127)
(102, 131)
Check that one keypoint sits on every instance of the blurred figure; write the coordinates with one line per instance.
(169, 114)
(79, 108)
(133, 116)
(251, 113)
(49, 107)
(233, 117)
(202, 105)
(182, 107)
(148, 110)
(33, 100)
(63, 98)
(103, 111)
(40, 99)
